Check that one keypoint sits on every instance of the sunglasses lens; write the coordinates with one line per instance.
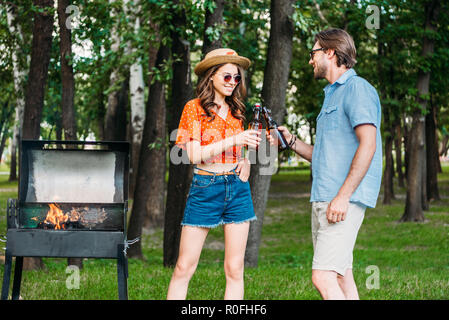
(227, 78)
(237, 78)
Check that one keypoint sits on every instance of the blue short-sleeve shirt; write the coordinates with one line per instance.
(349, 102)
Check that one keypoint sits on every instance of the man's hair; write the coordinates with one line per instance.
(340, 41)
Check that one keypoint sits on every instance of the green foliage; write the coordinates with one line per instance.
(389, 57)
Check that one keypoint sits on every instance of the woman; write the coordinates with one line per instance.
(211, 131)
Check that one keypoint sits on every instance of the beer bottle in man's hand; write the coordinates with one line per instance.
(256, 123)
(273, 127)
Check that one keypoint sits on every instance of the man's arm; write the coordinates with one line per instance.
(301, 148)
(366, 134)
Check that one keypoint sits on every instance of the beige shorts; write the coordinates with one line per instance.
(333, 243)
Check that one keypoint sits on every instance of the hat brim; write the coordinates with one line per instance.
(213, 61)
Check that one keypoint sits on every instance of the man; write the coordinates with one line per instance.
(346, 162)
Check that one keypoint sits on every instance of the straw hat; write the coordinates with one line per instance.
(219, 56)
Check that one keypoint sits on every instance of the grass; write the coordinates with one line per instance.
(412, 258)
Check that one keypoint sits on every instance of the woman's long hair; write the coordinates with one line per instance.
(206, 93)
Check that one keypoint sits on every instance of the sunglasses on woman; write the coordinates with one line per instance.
(227, 77)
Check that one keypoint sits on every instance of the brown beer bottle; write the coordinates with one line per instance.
(273, 127)
(256, 123)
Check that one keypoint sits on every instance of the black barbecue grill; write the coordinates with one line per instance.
(73, 202)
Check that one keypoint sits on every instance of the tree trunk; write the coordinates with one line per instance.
(213, 20)
(115, 118)
(416, 173)
(157, 148)
(389, 170)
(150, 183)
(432, 154)
(138, 121)
(67, 76)
(4, 125)
(137, 97)
(406, 146)
(413, 207)
(19, 72)
(276, 74)
(398, 149)
(37, 78)
(444, 146)
(180, 175)
(3, 140)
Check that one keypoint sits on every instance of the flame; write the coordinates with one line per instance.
(56, 217)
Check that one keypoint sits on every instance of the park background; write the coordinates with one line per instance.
(121, 70)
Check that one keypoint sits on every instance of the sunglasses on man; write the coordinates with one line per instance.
(312, 52)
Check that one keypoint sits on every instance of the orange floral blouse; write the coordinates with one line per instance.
(196, 125)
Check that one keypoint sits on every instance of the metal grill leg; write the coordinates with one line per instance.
(17, 278)
(122, 273)
(6, 275)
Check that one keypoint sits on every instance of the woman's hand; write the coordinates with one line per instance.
(249, 137)
(243, 169)
(273, 140)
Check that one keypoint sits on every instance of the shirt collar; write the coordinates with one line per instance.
(342, 79)
(345, 76)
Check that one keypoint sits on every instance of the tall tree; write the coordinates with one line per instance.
(180, 175)
(151, 169)
(115, 118)
(67, 75)
(416, 164)
(40, 59)
(398, 152)
(37, 78)
(155, 203)
(19, 84)
(432, 161)
(275, 82)
(213, 26)
(137, 93)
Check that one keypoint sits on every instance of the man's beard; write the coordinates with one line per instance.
(320, 72)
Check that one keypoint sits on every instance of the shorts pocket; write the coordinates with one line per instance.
(200, 181)
(240, 180)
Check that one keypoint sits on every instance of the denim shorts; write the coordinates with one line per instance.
(218, 199)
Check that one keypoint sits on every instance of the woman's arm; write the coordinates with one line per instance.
(198, 153)
(244, 167)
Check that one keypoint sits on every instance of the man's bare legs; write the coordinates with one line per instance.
(333, 286)
(348, 286)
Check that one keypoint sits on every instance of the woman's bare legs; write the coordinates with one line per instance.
(191, 244)
(236, 236)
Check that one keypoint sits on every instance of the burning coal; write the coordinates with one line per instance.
(76, 218)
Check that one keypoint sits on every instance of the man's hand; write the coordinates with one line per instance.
(243, 169)
(273, 140)
(336, 210)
